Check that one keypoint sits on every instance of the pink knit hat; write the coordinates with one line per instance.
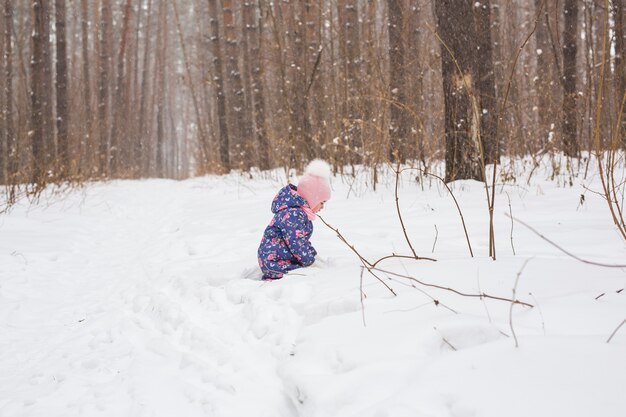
(314, 185)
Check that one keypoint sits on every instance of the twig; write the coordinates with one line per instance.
(615, 331)
(469, 245)
(406, 236)
(436, 236)
(482, 299)
(492, 202)
(519, 273)
(435, 301)
(563, 250)
(393, 255)
(511, 215)
(445, 340)
(492, 297)
(364, 261)
(362, 297)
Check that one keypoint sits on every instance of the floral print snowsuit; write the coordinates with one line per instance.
(285, 245)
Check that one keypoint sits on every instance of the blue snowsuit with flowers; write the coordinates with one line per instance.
(285, 244)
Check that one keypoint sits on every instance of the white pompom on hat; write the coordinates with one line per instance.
(314, 186)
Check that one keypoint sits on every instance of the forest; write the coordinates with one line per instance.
(157, 253)
(95, 90)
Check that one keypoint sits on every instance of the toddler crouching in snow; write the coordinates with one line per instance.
(286, 243)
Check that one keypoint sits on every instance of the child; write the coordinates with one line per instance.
(285, 245)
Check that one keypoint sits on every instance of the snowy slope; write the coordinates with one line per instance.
(129, 299)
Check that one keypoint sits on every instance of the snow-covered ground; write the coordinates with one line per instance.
(129, 298)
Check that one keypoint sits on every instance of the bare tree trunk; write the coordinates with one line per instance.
(372, 109)
(86, 141)
(39, 94)
(161, 46)
(62, 90)
(119, 111)
(48, 98)
(486, 83)
(544, 75)
(236, 99)
(254, 35)
(314, 90)
(414, 74)
(299, 132)
(620, 65)
(141, 145)
(399, 122)
(8, 148)
(571, 145)
(224, 141)
(352, 127)
(104, 67)
(246, 78)
(462, 123)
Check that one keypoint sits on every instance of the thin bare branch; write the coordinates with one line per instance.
(563, 250)
(463, 294)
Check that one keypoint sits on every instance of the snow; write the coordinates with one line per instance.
(131, 298)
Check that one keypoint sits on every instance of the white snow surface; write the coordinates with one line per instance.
(137, 298)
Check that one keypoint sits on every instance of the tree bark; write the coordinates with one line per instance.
(120, 121)
(8, 157)
(39, 94)
(462, 121)
(159, 91)
(569, 130)
(142, 144)
(399, 120)
(86, 142)
(620, 66)
(254, 35)
(104, 69)
(235, 99)
(486, 82)
(218, 78)
(62, 90)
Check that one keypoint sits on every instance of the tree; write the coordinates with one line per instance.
(87, 145)
(62, 105)
(218, 78)
(120, 96)
(104, 68)
(159, 89)
(486, 82)
(236, 97)
(142, 163)
(8, 143)
(462, 120)
(544, 81)
(399, 117)
(620, 65)
(569, 129)
(40, 93)
(351, 131)
(254, 31)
